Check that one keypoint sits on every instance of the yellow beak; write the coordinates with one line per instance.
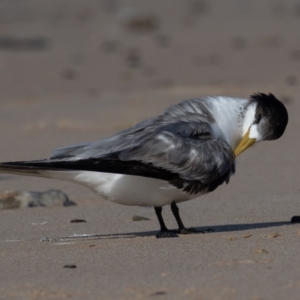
(244, 144)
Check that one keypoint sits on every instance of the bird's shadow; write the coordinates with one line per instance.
(240, 227)
(216, 228)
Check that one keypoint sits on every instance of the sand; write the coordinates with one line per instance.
(78, 71)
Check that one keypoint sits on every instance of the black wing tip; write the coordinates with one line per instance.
(23, 162)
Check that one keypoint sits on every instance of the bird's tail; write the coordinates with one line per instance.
(47, 168)
(27, 168)
(58, 168)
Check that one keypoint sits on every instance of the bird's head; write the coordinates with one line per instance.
(265, 120)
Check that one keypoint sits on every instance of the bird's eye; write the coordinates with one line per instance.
(257, 118)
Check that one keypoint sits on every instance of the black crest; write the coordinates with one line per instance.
(274, 113)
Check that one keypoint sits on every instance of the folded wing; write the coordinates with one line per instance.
(187, 154)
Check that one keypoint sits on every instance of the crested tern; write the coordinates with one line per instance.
(187, 151)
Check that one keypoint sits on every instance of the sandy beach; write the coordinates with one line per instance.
(74, 72)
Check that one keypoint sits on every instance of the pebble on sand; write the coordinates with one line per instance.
(273, 235)
(70, 266)
(19, 199)
(295, 219)
(78, 221)
(139, 218)
(261, 251)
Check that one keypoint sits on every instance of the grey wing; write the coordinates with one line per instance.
(117, 142)
(187, 154)
(193, 110)
(179, 146)
(189, 149)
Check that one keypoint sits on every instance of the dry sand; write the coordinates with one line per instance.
(96, 67)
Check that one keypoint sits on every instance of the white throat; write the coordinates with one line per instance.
(249, 117)
(230, 114)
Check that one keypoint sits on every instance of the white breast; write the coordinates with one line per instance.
(125, 189)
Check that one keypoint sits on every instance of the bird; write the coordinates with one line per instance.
(187, 151)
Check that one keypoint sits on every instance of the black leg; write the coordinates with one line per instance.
(175, 211)
(182, 229)
(162, 224)
(164, 231)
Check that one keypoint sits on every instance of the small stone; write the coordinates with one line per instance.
(247, 236)
(139, 218)
(33, 199)
(78, 221)
(48, 198)
(295, 219)
(261, 251)
(9, 200)
(273, 235)
(45, 239)
(70, 266)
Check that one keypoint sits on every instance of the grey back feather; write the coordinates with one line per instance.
(181, 140)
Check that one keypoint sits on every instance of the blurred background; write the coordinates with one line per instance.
(58, 49)
(86, 48)
(75, 71)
